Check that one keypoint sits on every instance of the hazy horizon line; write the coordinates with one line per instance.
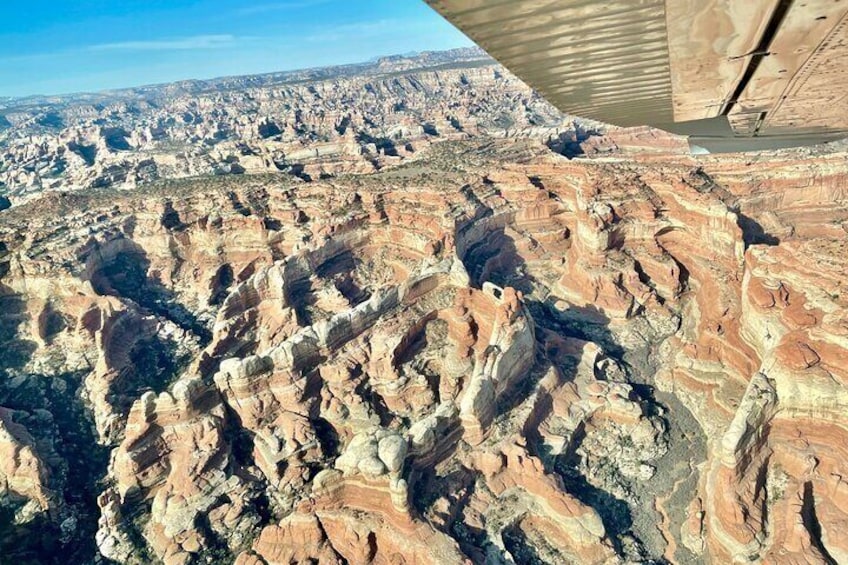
(407, 55)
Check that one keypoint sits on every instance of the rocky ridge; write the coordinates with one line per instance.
(488, 354)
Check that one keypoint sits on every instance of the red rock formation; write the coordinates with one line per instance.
(497, 354)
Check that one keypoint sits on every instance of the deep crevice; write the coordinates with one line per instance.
(812, 524)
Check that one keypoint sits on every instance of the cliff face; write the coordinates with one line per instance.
(490, 354)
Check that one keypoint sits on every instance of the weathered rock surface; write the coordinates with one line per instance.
(492, 354)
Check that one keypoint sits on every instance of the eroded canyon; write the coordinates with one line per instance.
(311, 124)
(485, 354)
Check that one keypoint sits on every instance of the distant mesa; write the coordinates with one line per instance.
(300, 122)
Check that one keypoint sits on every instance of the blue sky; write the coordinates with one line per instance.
(62, 46)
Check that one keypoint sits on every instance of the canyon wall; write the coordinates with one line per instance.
(490, 354)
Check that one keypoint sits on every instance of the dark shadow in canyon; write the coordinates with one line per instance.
(339, 269)
(753, 232)
(812, 524)
(495, 258)
(221, 284)
(155, 364)
(684, 274)
(301, 296)
(459, 485)
(614, 512)
(328, 437)
(50, 409)
(155, 360)
(303, 293)
(570, 143)
(128, 276)
(422, 351)
(375, 401)
(383, 144)
(685, 439)
(522, 551)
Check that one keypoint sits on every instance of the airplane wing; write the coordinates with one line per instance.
(734, 75)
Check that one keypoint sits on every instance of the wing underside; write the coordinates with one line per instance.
(731, 74)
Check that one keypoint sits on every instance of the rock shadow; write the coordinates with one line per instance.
(753, 232)
(339, 270)
(458, 485)
(812, 524)
(614, 512)
(301, 296)
(155, 364)
(495, 258)
(51, 409)
(127, 275)
(15, 351)
(570, 143)
(519, 547)
(424, 348)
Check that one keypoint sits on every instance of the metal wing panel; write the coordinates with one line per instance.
(602, 60)
(774, 72)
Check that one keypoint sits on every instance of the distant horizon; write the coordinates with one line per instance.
(407, 55)
(91, 46)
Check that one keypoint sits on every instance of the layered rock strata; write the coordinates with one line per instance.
(491, 355)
